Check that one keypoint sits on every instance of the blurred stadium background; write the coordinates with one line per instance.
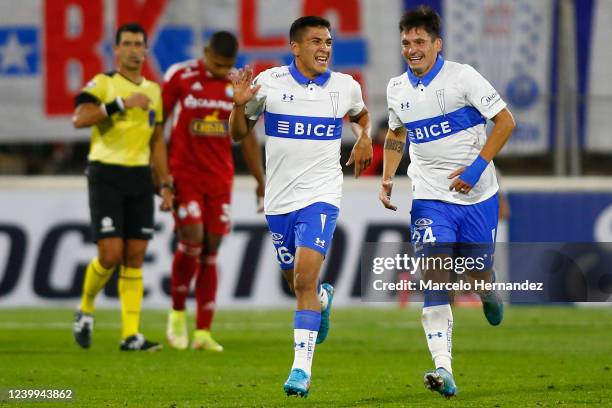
(550, 60)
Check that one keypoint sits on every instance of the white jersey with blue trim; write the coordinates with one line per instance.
(444, 113)
(303, 125)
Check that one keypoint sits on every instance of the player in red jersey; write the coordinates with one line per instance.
(199, 96)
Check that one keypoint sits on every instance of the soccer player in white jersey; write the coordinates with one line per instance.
(303, 105)
(442, 106)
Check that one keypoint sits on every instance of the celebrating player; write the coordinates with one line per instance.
(202, 166)
(443, 107)
(303, 105)
(125, 113)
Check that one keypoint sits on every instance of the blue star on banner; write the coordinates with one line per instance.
(19, 51)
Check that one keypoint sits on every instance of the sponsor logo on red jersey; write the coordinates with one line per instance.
(211, 125)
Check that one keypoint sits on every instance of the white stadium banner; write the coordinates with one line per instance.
(44, 245)
(509, 42)
(599, 91)
(50, 48)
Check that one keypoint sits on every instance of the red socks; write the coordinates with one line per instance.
(185, 264)
(206, 291)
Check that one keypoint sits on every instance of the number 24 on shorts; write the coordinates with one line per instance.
(426, 236)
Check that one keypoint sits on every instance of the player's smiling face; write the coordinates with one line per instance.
(313, 51)
(420, 50)
(131, 50)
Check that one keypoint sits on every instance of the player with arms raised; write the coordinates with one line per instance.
(443, 106)
(303, 105)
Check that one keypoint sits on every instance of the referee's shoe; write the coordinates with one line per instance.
(138, 342)
(82, 328)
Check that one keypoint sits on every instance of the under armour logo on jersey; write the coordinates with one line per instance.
(287, 97)
(320, 242)
(299, 345)
(404, 106)
(432, 335)
(197, 86)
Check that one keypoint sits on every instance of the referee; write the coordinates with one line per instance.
(124, 111)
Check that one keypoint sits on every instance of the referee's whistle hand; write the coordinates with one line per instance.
(385, 194)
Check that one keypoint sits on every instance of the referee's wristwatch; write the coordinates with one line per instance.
(168, 184)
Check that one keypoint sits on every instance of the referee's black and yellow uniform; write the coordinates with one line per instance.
(119, 175)
(121, 192)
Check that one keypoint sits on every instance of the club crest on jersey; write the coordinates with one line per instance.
(287, 97)
(440, 96)
(229, 91)
(335, 98)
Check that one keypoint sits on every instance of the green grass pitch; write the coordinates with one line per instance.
(538, 357)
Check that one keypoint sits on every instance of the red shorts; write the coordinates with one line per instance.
(195, 205)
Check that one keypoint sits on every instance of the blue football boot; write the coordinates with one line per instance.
(298, 383)
(441, 381)
(324, 327)
(493, 308)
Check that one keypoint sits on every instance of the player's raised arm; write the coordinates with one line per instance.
(362, 153)
(500, 134)
(244, 91)
(395, 142)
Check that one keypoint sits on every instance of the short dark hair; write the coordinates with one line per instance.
(422, 16)
(224, 44)
(130, 28)
(299, 25)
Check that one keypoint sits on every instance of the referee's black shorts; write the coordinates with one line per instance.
(120, 201)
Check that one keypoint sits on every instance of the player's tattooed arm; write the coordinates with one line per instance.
(395, 141)
(394, 145)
